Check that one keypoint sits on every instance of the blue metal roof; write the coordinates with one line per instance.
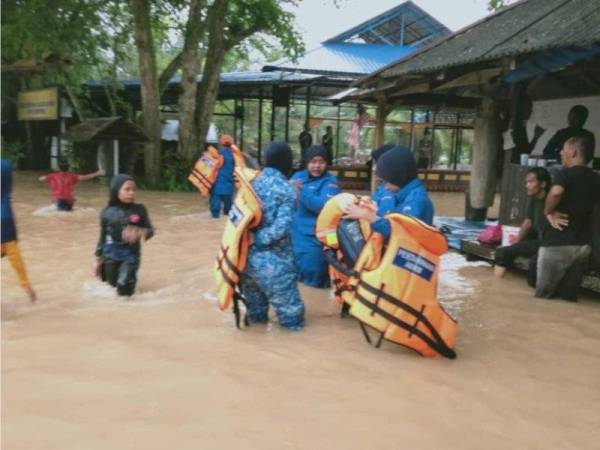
(370, 45)
(351, 59)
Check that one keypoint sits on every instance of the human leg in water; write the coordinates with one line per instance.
(227, 200)
(120, 274)
(310, 261)
(11, 250)
(215, 205)
(256, 301)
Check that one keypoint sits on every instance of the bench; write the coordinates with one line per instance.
(474, 250)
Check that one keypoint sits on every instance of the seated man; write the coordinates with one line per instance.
(576, 120)
(537, 183)
(566, 244)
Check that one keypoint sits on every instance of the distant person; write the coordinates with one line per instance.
(314, 186)
(327, 142)
(221, 195)
(271, 277)
(407, 195)
(306, 141)
(566, 243)
(62, 185)
(424, 150)
(518, 132)
(124, 224)
(537, 184)
(576, 120)
(10, 247)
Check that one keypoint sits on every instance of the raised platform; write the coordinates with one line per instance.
(475, 250)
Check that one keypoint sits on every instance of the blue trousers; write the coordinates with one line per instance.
(216, 200)
(272, 279)
(311, 262)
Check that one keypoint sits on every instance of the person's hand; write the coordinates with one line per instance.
(31, 294)
(297, 184)
(366, 202)
(98, 268)
(558, 220)
(131, 234)
(354, 211)
(101, 172)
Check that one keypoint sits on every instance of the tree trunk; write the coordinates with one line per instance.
(149, 88)
(215, 57)
(486, 145)
(189, 70)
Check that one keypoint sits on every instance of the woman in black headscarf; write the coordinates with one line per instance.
(123, 225)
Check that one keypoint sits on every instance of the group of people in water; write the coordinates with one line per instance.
(284, 249)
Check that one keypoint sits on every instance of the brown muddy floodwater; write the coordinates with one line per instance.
(83, 369)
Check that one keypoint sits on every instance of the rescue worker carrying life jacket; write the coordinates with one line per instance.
(392, 286)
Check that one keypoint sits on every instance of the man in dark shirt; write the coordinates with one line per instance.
(537, 183)
(576, 119)
(327, 142)
(306, 141)
(565, 246)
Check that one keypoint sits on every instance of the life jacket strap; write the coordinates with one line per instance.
(237, 298)
(437, 343)
(201, 178)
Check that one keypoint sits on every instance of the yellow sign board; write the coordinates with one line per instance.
(38, 105)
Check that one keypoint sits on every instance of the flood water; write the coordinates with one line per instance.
(84, 369)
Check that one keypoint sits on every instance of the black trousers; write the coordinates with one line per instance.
(505, 257)
(120, 274)
(63, 205)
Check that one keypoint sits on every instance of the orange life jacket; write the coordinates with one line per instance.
(245, 215)
(393, 288)
(205, 171)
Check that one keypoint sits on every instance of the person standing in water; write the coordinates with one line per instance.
(222, 191)
(124, 224)
(315, 186)
(405, 193)
(62, 185)
(10, 247)
(306, 140)
(270, 276)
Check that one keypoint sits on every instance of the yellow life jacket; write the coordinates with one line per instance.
(205, 171)
(245, 215)
(392, 288)
(398, 298)
(331, 234)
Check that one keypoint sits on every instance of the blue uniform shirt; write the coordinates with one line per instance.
(312, 197)
(224, 182)
(412, 200)
(9, 231)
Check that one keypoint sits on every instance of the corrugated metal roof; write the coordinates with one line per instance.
(351, 59)
(387, 28)
(527, 26)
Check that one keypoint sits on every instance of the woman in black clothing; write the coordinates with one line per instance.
(123, 225)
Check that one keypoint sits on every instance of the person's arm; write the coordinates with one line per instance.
(91, 176)
(524, 230)
(102, 237)
(145, 223)
(265, 236)
(314, 201)
(556, 219)
(549, 149)
(43, 178)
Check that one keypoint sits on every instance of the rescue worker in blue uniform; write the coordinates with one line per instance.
(222, 191)
(270, 276)
(407, 195)
(315, 186)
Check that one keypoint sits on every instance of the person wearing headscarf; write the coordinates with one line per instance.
(398, 171)
(314, 187)
(270, 277)
(10, 246)
(380, 192)
(222, 191)
(124, 224)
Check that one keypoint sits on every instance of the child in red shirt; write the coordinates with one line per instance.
(62, 185)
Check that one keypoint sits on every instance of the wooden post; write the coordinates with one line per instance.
(382, 112)
(486, 146)
(337, 132)
(115, 157)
